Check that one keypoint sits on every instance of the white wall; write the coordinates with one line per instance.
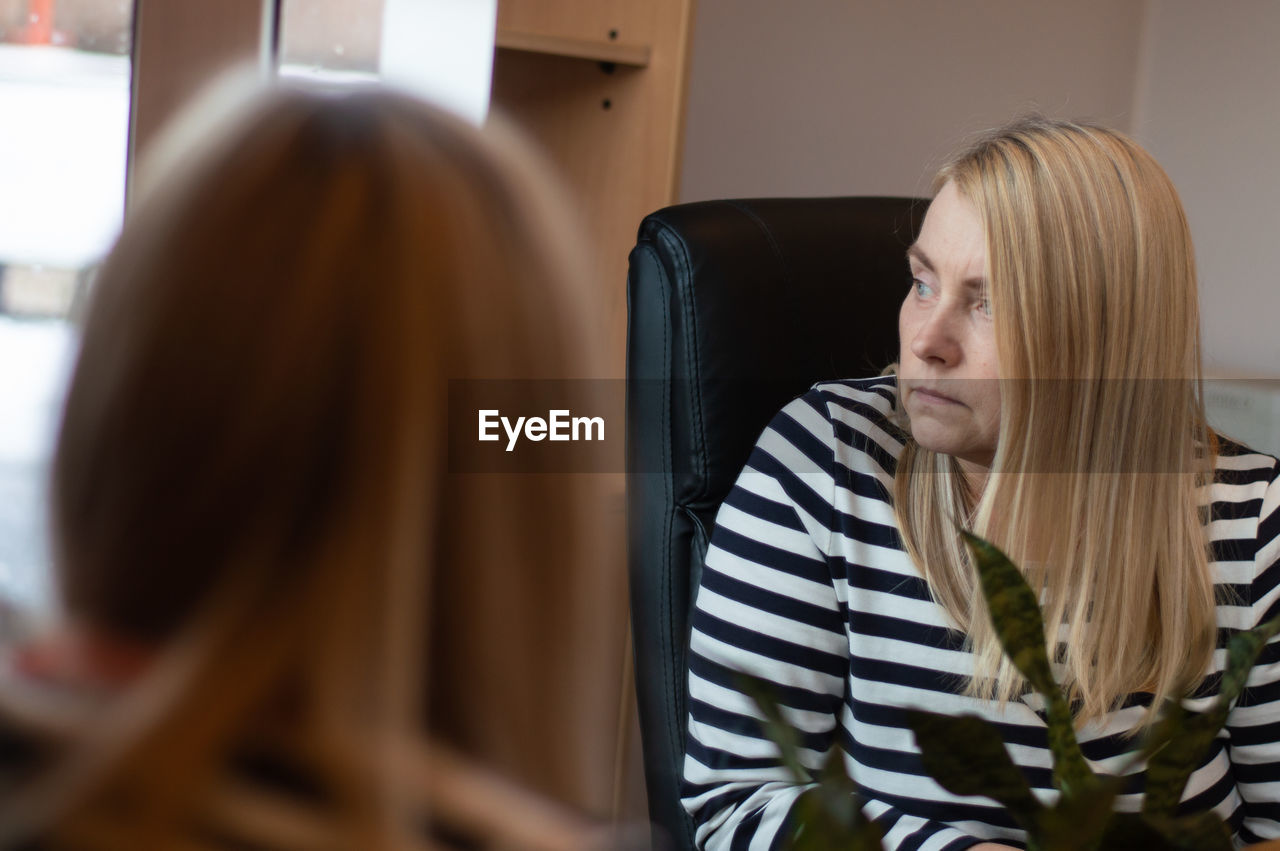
(834, 97)
(1208, 107)
(831, 97)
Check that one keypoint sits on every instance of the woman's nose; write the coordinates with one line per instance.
(936, 339)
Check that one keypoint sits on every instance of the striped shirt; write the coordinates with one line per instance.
(807, 586)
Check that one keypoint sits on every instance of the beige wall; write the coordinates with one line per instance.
(828, 97)
(1208, 107)
(832, 97)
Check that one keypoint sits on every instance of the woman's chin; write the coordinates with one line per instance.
(945, 442)
(933, 436)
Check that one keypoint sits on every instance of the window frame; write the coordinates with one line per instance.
(178, 47)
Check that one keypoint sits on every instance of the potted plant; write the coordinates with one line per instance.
(966, 755)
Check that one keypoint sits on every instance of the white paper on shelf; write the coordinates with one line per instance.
(442, 51)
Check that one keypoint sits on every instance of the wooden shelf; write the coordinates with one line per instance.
(614, 142)
(633, 55)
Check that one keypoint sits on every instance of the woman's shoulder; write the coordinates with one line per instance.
(1244, 521)
(846, 427)
(1246, 482)
(857, 402)
(861, 410)
(1237, 464)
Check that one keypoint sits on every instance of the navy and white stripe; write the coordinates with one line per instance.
(807, 585)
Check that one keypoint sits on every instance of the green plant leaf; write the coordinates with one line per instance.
(827, 816)
(775, 726)
(1242, 652)
(834, 775)
(1071, 774)
(1203, 831)
(1015, 614)
(1018, 624)
(1131, 832)
(1078, 822)
(818, 826)
(838, 793)
(967, 756)
(1181, 738)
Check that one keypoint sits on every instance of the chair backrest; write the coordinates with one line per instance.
(735, 308)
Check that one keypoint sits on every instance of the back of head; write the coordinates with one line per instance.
(253, 457)
(261, 335)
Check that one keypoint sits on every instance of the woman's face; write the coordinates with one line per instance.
(947, 368)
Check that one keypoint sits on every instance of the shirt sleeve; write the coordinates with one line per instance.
(767, 607)
(1254, 723)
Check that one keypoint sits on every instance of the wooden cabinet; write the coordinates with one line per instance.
(600, 85)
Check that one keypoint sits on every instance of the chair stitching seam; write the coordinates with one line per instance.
(679, 252)
(667, 650)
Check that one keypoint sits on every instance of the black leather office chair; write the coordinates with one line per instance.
(735, 307)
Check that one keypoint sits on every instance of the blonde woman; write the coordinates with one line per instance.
(270, 574)
(1046, 397)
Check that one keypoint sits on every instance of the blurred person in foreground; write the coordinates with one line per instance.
(260, 547)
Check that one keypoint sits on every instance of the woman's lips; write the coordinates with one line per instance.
(928, 395)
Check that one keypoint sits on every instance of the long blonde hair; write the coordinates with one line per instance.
(1103, 441)
(252, 470)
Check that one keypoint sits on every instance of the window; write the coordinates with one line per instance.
(335, 40)
(64, 93)
(441, 49)
(65, 89)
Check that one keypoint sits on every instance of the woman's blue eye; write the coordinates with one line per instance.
(922, 289)
(984, 305)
